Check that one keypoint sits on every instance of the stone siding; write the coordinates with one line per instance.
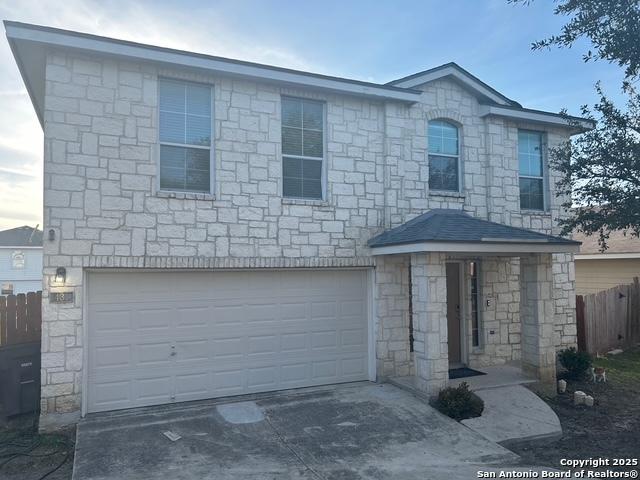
(101, 197)
(500, 321)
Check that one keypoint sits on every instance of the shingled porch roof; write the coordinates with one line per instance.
(442, 230)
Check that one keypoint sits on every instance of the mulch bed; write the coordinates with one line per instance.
(27, 455)
(609, 429)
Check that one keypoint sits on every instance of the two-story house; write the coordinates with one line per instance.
(20, 260)
(223, 227)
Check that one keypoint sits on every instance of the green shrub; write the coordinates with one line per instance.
(574, 362)
(459, 402)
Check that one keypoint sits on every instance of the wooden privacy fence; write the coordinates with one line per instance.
(609, 319)
(20, 318)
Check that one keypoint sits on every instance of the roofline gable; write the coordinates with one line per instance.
(462, 76)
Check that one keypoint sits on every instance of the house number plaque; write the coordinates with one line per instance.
(61, 297)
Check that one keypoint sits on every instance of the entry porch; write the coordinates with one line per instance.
(453, 291)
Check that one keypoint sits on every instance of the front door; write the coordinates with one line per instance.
(453, 314)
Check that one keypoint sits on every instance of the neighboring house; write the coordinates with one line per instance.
(20, 260)
(617, 265)
(228, 227)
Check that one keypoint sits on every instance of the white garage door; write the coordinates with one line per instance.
(176, 336)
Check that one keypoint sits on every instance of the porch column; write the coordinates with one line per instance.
(537, 313)
(429, 293)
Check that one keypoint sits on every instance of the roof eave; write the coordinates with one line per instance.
(608, 256)
(477, 248)
(575, 124)
(19, 33)
(36, 100)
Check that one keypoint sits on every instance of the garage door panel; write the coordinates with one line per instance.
(114, 320)
(295, 373)
(112, 395)
(192, 384)
(356, 366)
(174, 336)
(193, 317)
(151, 319)
(323, 310)
(111, 356)
(294, 342)
(324, 370)
(263, 378)
(153, 354)
(324, 340)
(192, 350)
(151, 389)
(353, 338)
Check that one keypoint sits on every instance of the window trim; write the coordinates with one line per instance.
(543, 177)
(323, 173)
(458, 157)
(479, 305)
(211, 148)
(14, 254)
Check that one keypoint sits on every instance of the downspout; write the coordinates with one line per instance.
(386, 181)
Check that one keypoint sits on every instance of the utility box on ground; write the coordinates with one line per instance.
(20, 378)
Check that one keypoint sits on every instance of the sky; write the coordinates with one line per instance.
(371, 40)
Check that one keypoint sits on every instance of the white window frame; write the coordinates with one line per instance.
(543, 177)
(323, 173)
(458, 157)
(184, 145)
(14, 255)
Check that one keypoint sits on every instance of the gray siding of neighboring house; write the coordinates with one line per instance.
(27, 279)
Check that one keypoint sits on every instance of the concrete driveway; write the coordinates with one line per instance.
(349, 431)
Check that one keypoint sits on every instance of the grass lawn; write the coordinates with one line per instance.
(609, 429)
(622, 368)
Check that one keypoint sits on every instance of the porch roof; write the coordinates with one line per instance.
(442, 230)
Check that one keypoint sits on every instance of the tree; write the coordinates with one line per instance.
(600, 171)
(601, 168)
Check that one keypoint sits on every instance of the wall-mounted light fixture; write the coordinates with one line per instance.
(52, 235)
(61, 275)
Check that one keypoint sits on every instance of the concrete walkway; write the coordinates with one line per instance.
(354, 431)
(514, 414)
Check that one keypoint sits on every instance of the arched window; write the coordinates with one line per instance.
(444, 156)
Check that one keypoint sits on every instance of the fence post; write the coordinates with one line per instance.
(12, 326)
(580, 324)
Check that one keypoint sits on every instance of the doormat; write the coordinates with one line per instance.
(464, 372)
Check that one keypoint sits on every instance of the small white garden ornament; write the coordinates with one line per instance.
(562, 386)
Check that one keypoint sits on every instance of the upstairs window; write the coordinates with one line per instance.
(17, 260)
(185, 137)
(302, 148)
(531, 170)
(444, 156)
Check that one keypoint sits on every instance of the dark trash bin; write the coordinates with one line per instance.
(20, 378)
